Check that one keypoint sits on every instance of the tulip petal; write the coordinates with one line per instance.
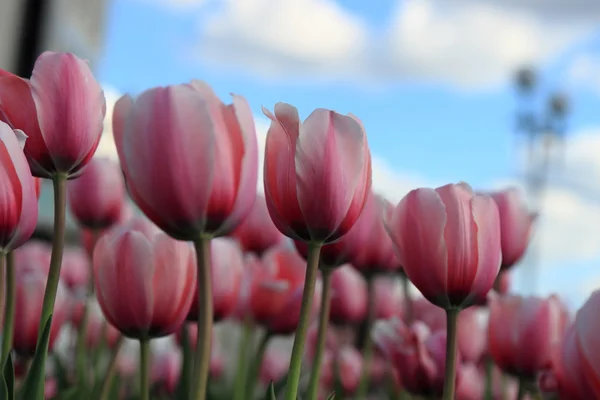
(70, 105)
(280, 172)
(586, 325)
(417, 231)
(329, 165)
(174, 122)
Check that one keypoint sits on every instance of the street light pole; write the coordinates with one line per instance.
(544, 133)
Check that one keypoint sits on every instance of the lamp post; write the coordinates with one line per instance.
(544, 132)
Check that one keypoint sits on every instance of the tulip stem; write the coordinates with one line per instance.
(241, 375)
(80, 356)
(205, 319)
(256, 364)
(110, 371)
(315, 374)
(58, 243)
(408, 304)
(522, 389)
(9, 305)
(312, 267)
(489, 378)
(451, 349)
(144, 369)
(368, 343)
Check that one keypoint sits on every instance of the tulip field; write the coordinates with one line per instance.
(186, 284)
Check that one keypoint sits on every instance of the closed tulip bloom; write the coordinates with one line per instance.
(586, 330)
(190, 161)
(275, 365)
(153, 275)
(61, 109)
(350, 366)
(227, 267)
(448, 242)
(18, 202)
(29, 295)
(516, 224)
(317, 173)
(388, 298)
(98, 329)
(76, 268)
(472, 383)
(33, 256)
(90, 236)
(257, 233)
(166, 369)
(566, 378)
(523, 333)
(348, 296)
(97, 197)
(417, 354)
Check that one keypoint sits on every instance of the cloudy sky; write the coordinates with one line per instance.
(432, 81)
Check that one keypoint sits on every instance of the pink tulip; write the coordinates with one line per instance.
(61, 109)
(523, 333)
(257, 233)
(348, 296)
(33, 256)
(566, 377)
(350, 365)
(274, 366)
(89, 237)
(227, 267)
(331, 341)
(276, 289)
(448, 242)
(166, 369)
(317, 173)
(516, 224)
(152, 274)
(190, 161)
(586, 331)
(50, 388)
(76, 268)
(97, 197)
(18, 202)
(472, 383)
(30, 287)
(417, 354)
(388, 298)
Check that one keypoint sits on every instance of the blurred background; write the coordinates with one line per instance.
(493, 93)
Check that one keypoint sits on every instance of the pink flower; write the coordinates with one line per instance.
(30, 288)
(516, 224)
(166, 369)
(76, 268)
(18, 201)
(586, 331)
(97, 197)
(317, 173)
(524, 332)
(417, 354)
(274, 366)
(189, 160)
(388, 298)
(348, 296)
(61, 109)
(144, 283)
(257, 233)
(227, 267)
(448, 242)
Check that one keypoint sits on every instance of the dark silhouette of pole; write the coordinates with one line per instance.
(32, 34)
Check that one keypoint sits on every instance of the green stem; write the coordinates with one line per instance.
(408, 304)
(241, 376)
(315, 374)
(522, 389)
(368, 343)
(312, 267)
(58, 243)
(9, 305)
(256, 365)
(489, 378)
(144, 369)
(451, 349)
(205, 319)
(110, 372)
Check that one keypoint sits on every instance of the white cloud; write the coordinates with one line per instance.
(584, 72)
(177, 5)
(466, 44)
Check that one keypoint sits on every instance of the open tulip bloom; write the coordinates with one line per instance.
(319, 256)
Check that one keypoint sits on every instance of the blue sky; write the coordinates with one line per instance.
(441, 111)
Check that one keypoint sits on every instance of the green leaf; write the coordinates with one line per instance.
(3, 390)
(8, 374)
(271, 392)
(280, 385)
(33, 385)
(331, 396)
(183, 388)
